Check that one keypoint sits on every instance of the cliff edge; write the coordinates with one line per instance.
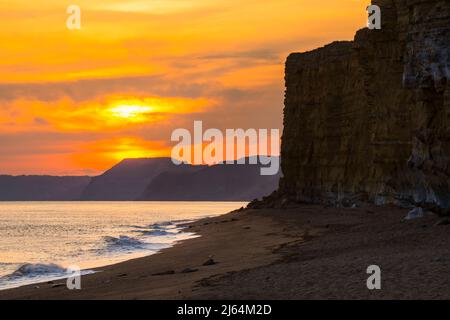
(369, 120)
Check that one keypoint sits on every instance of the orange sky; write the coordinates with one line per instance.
(77, 102)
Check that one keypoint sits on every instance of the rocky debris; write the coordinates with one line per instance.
(443, 222)
(189, 270)
(414, 214)
(209, 262)
(164, 273)
(369, 120)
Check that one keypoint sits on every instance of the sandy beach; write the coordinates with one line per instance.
(308, 252)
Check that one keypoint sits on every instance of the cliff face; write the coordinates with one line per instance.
(369, 120)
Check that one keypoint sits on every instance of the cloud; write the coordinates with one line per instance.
(40, 121)
(252, 56)
(219, 61)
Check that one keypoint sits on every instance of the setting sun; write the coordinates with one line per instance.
(131, 112)
(140, 69)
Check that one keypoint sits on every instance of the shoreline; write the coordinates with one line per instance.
(99, 266)
(308, 252)
(161, 267)
(90, 236)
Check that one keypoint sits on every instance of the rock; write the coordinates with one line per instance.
(164, 273)
(416, 213)
(209, 262)
(189, 270)
(58, 285)
(443, 222)
(370, 117)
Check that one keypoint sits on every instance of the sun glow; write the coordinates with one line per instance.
(77, 102)
(131, 112)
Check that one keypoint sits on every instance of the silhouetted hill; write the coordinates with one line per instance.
(156, 179)
(216, 183)
(41, 188)
(128, 179)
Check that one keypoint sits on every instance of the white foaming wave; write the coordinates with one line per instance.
(128, 243)
(164, 225)
(37, 269)
(123, 241)
(165, 228)
(169, 224)
(30, 273)
(157, 233)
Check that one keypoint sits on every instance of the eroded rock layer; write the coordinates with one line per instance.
(369, 120)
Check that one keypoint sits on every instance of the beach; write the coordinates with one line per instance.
(306, 252)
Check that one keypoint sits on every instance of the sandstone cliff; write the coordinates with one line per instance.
(369, 120)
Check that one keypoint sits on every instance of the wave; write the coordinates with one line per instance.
(36, 270)
(161, 225)
(157, 233)
(166, 228)
(30, 273)
(170, 224)
(160, 228)
(123, 241)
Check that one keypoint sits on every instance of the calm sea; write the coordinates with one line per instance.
(39, 240)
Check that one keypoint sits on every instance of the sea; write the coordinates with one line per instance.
(39, 241)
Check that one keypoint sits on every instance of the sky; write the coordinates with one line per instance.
(76, 102)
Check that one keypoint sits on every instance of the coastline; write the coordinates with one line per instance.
(59, 274)
(308, 252)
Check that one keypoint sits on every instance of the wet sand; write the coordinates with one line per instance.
(308, 252)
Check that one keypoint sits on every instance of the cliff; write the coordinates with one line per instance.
(369, 120)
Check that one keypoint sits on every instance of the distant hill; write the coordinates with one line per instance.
(215, 183)
(127, 180)
(41, 188)
(156, 179)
